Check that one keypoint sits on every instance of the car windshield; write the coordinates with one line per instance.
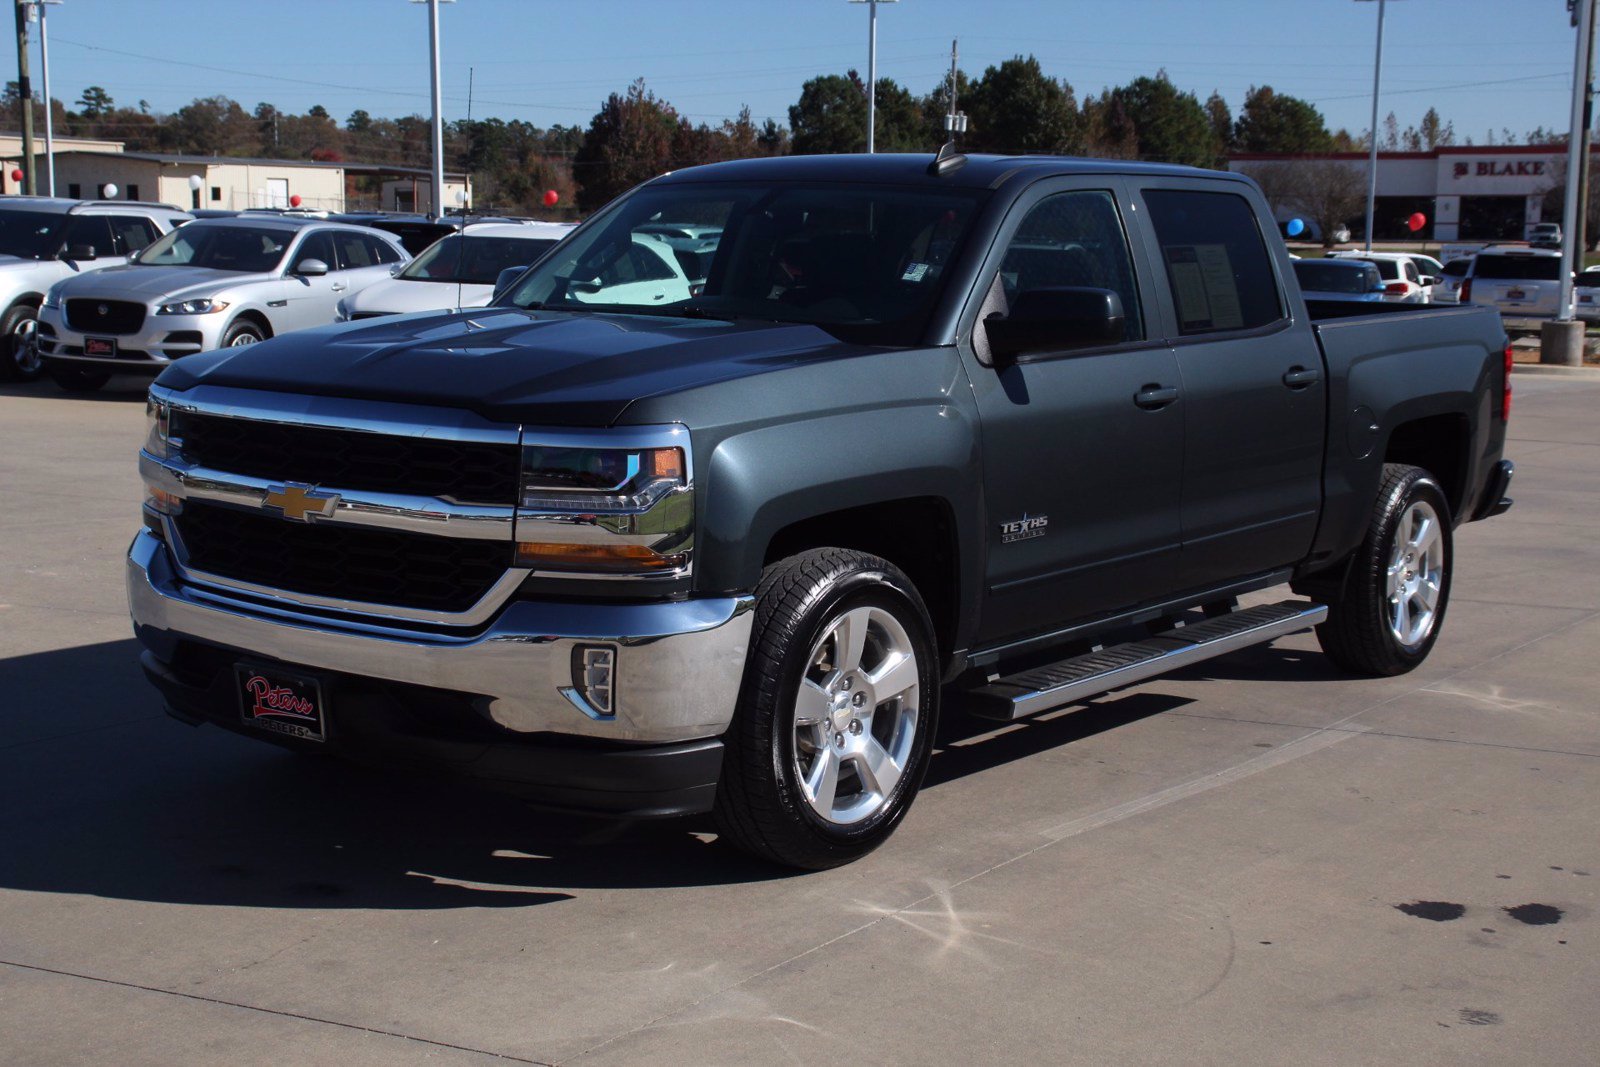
(256, 249)
(1333, 277)
(29, 234)
(865, 263)
(474, 260)
(1519, 268)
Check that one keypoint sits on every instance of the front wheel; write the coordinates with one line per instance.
(837, 714)
(242, 332)
(1388, 615)
(19, 345)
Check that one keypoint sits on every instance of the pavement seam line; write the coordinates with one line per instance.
(272, 1011)
(1339, 731)
(1391, 734)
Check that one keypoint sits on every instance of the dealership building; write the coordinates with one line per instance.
(1466, 193)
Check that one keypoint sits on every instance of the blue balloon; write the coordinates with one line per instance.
(1296, 227)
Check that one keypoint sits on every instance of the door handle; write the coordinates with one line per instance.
(340, 287)
(1153, 397)
(1300, 377)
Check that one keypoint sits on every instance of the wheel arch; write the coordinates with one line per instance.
(253, 316)
(1441, 445)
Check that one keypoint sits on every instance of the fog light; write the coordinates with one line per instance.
(593, 689)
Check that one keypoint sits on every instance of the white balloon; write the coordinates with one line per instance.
(110, 191)
(461, 198)
(195, 182)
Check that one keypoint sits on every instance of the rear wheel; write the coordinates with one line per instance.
(837, 714)
(1388, 614)
(19, 345)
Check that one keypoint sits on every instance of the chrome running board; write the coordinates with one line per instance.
(1043, 688)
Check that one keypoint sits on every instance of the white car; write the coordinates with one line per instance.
(214, 283)
(44, 240)
(1586, 295)
(1448, 291)
(458, 271)
(1522, 282)
(648, 274)
(1404, 279)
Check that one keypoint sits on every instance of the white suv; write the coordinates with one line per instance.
(1405, 279)
(45, 240)
(1523, 283)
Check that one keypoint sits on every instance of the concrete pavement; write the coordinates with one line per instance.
(1204, 869)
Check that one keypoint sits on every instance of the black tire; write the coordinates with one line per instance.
(10, 350)
(761, 805)
(74, 380)
(240, 329)
(1360, 633)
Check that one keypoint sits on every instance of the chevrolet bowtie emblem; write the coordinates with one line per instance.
(300, 502)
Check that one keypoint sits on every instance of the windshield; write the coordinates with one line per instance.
(1333, 277)
(474, 260)
(29, 234)
(1522, 268)
(242, 248)
(865, 263)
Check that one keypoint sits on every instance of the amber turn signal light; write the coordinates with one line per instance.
(547, 555)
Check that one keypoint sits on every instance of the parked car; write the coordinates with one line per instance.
(1586, 295)
(1448, 291)
(1519, 282)
(1545, 235)
(458, 271)
(643, 272)
(1338, 279)
(44, 240)
(214, 283)
(1404, 281)
(922, 428)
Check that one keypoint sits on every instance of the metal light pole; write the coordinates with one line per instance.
(41, 8)
(438, 108)
(1572, 252)
(25, 98)
(872, 68)
(1372, 153)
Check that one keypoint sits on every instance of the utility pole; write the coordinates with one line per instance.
(1581, 228)
(1561, 341)
(40, 9)
(954, 121)
(1372, 154)
(25, 97)
(438, 105)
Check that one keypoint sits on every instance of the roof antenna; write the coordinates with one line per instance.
(947, 161)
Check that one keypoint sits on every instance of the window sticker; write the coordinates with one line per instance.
(914, 272)
(1204, 284)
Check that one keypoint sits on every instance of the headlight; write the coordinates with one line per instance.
(192, 307)
(608, 511)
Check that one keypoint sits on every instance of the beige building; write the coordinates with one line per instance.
(232, 183)
(11, 156)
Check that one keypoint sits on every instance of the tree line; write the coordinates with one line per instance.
(1013, 107)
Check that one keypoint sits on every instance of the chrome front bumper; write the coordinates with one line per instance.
(677, 675)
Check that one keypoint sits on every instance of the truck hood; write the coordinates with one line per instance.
(148, 284)
(540, 368)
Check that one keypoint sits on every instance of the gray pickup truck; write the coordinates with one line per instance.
(996, 434)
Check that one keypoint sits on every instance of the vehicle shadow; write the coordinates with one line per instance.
(109, 797)
(119, 390)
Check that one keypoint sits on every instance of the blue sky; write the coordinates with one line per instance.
(1486, 64)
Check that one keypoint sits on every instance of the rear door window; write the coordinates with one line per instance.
(132, 233)
(1217, 265)
(316, 246)
(354, 252)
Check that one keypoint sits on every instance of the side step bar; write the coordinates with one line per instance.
(1043, 688)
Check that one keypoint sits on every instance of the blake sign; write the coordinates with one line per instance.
(1521, 168)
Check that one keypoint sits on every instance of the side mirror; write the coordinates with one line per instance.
(1432, 279)
(505, 280)
(586, 288)
(79, 252)
(311, 268)
(1055, 319)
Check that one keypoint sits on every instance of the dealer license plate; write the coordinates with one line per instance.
(1516, 294)
(100, 346)
(287, 704)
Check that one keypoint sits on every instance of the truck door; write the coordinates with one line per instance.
(1253, 395)
(1082, 446)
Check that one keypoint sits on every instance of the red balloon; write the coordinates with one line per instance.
(16, 174)
(550, 197)
(1416, 222)
(295, 201)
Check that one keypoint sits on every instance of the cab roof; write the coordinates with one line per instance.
(895, 168)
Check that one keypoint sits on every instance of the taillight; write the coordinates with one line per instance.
(1395, 288)
(1505, 392)
(1465, 295)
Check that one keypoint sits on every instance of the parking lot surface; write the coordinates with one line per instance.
(1255, 861)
